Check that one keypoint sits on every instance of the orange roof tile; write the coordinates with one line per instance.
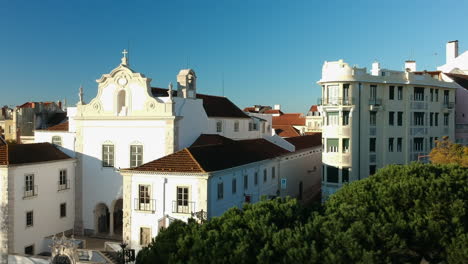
(60, 127)
(286, 131)
(207, 158)
(30, 153)
(308, 141)
(295, 119)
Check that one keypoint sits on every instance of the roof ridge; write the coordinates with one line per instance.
(194, 159)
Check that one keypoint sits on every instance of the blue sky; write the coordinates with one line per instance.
(269, 52)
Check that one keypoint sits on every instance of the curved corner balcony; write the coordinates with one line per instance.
(336, 101)
(336, 131)
(337, 159)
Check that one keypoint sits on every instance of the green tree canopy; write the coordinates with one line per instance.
(402, 214)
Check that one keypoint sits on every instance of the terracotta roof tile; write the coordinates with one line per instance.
(308, 141)
(60, 127)
(273, 111)
(296, 119)
(211, 139)
(313, 108)
(207, 158)
(30, 153)
(286, 131)
(215, 106)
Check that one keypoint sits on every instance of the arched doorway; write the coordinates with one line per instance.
(118, 217)
(102, 219)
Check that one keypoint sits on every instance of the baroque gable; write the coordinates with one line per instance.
(125, 93)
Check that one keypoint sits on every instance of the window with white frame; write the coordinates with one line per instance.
(418, 118)
(332, 118)
(345, 145)
(182, 199)
(418, 144)
(219, 126)
(144, 198)
(29, 219)
(108, 155)
(63, 181)
(136, 155)
(57, 140)
(29, 189)
(246, 182)
(234, 186)
(236, 126)
(332, 145)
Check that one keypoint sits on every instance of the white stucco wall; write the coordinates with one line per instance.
(45, 206)
(104, 184)
(217, 207)
(302, 166)
(163, 189)
(3, 214)
(193, 122)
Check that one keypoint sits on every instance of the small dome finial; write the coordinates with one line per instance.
(124, 58)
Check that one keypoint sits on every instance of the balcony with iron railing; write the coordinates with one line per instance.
(30, 191)
(183, 207)
(448, 105)
(145, 205)
(375, 101)
(335, 101)
(63, 185)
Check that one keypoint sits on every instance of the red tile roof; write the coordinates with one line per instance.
(211, 139)
(215, 106)
(304, 142)
(461, 79)
(286, 131)
(296, 119)
(250, 110)
(207, 158)
(60, 127)
(273, 111)
(30, 153)
(313, 108)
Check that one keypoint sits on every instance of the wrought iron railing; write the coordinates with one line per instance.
(336, 101)
(375, 101)
(183, 207)
(449, 105)
(145, 205)
(30, 191)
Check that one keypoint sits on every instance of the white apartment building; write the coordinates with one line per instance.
(314, 120)
(213, 175)
(37, 196)
(383, 117)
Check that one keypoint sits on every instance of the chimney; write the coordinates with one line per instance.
(277, 107)
(451, 50)
(375, 68)
(410, 65)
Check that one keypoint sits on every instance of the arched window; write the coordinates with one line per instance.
(57, 140)
(121, 109)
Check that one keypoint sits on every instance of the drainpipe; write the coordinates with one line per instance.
(164, 197)
(359, 133)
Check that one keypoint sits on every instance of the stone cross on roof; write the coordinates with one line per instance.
(124, 59)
